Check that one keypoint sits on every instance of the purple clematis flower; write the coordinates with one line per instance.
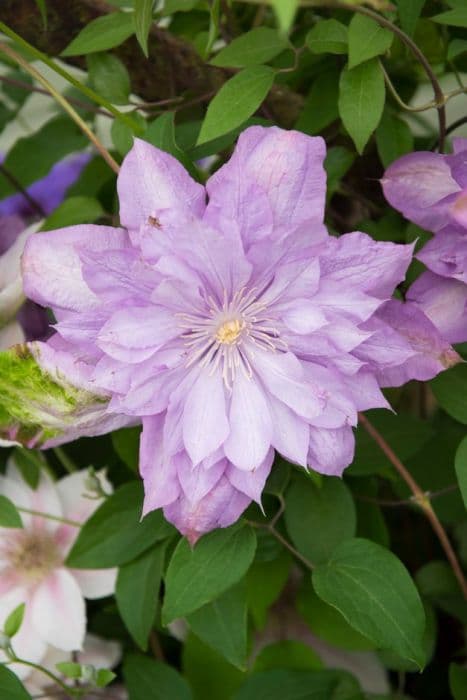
(231, 327)
(430, 189)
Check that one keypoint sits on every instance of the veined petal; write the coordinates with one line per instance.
(159, 473)
(51, 264)
(151, 180)
(331, 451)
(251, 483)
(135, 333)
(444, 301)
(288, 167)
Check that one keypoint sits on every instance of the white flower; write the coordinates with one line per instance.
(32, 568)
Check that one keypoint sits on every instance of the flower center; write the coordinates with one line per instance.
(34, 555)
(229, 332)
(224, 335)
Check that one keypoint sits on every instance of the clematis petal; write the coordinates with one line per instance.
(250, 424)
(56, 600)
(446, 253)
(444, 301)
(291, 433)
(51, 265)
(419, 185)
(288, 167)
(205, 424)
(133, 334)
(251, 483)
(331, 451)
(159, 473)
(151, 180)
(97, 583)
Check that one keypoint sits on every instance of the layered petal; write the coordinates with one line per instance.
(444, 301)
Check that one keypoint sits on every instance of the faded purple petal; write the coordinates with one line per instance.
(446, 253)
(444, 301)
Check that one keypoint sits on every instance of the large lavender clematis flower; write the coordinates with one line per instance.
(430, 189)
(230, 328)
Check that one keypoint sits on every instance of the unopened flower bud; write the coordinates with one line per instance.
(88, 673)
(5, 641)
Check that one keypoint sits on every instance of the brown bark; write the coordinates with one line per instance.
(173, 68)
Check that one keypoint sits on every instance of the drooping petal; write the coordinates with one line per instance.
(197, 481)
(444, 301)
(419, 185)
(331, 451)
(52, 269)
(221, 507)
(251, 483)
(288, 167)
(290, 433)
(150, 181)
(58, 611)
(250, 424)
(159, 472)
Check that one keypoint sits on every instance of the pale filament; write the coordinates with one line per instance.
(225, 335)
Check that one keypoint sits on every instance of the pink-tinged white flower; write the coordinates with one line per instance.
(96, 652)
(33, 570)
(231, 324)
(430, 189)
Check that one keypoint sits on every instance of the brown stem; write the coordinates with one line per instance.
(156, 647)
(18, 186)
(419, 497)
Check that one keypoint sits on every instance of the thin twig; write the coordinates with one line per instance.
(18, 186)
(72, 100)
(420, 498)
(48, 516)
(156, 647)
(63, 102)
(66, 462)
(388, 503)
(285, 543)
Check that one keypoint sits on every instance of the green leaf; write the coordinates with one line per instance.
(237, 100)
(454, 18)
(458, 681)
(43, 10)
(137, 592)
(367, 39)
(337, 162)
(223, 625)
(288, 654)
(461, 468)
(199, 575)
(253, 48)
(409, 13)
(393, 138)
(109, 77)
(450, 390)
(328, 623)
(328, 36)
(32, 157)
(149, 679)
(456, 48)
(69, 669)
(126, 444)
(161, 133)
(299, 685)
(74, 210)
(285, 12)
(361, 100)
(265, 581)
(405, 434)
(320, 108)
(104, 676)
(101, 34)
(209, 674)
(115, 535)
(123, 136)
(328, 510)
(9, 515)
(14, 621)
(29, 463)
(11, 687)
(143, 22)
(374, 592)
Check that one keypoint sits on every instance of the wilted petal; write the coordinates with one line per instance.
(58, 611)
(151, 180)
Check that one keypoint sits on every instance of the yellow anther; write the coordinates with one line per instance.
(229, 332)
